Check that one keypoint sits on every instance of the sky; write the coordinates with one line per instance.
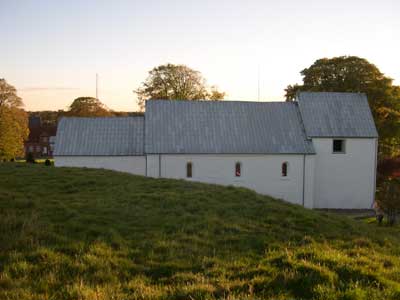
(51, 50)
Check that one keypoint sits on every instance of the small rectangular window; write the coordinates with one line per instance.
(338, 146)
(238, 169)
(189, 170)
(284, 169)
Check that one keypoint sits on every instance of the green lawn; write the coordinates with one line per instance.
(70, 233)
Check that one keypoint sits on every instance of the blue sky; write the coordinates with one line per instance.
(51, 50)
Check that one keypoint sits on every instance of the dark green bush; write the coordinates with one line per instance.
(29, 158)
(389, 199)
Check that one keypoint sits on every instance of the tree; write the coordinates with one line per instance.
(8, 95)
(48, 117)
(176, 82)
(388, 167)
(355, 74)
(13, 122)
(215, 94)
(88, 107)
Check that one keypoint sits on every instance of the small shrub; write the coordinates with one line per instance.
(47, 162)
(389, 199)
(29, 158)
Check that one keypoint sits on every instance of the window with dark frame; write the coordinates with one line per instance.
(189, 170)
(238, 169)
(338, 146)
(284, 169)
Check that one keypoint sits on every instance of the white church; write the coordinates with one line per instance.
(319, 151)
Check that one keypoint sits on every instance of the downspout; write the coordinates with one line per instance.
(376, 166)
(144, 142)
(159, 166)
(304, 175)
(296, 102)
(145, 157)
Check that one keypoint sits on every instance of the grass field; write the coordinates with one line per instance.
(92, 234)
(37, 160)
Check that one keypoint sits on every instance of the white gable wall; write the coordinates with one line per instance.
(152, 165)
(129, 164)
(261, 173)
(345, 180)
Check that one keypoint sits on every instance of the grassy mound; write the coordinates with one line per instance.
(96, 234)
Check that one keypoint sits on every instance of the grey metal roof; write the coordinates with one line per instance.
(100, 136)
(224, 127)
(336, 115)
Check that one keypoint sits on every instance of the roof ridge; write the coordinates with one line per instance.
(96, 118)
(337, 93)
(219, 101)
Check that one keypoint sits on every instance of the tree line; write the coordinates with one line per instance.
(179, 82)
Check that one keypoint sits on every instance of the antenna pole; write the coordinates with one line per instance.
(97, 86)
(258, 82)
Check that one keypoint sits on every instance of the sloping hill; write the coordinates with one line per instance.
(95, 234)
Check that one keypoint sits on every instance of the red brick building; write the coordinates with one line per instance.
(41, 139)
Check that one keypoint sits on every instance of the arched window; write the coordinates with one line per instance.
(238, 169)
(284, 169)
(189, 170)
